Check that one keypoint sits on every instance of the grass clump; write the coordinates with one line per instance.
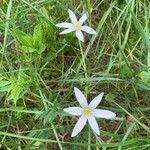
(39, 68)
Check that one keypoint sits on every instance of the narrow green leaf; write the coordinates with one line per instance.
(144, 35)
(37, 35)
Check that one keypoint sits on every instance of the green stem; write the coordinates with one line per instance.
(86, 88)
(84, 67)
(88, 8)
(57, 138)
(83, 61)
(89, 139)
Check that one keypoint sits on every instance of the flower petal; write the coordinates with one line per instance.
(101, 113)
(64, 25)
(88, 30)
(93, 123)
(79, 35)
(77, 111)
(80, 97)
(72, 16)
(95, 102)
(83, 19)
(79, 126)
(67, 31)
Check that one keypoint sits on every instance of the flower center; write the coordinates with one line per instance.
(77, 26)
(87, 111)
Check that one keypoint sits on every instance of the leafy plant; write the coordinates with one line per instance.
(47, 116)
(30, 44)
(15, 87)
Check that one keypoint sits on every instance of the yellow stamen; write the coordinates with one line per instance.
(77, 26)
(87, 111)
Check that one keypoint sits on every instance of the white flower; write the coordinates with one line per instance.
(88, 112)
(76, 26)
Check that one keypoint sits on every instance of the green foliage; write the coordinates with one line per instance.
(30, 44)
(39, 68)
(47, 116)
(4, 84)
(144, 35)
(145, 77)
(15, 87)
(110, 97)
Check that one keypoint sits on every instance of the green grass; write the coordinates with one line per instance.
(39, 68)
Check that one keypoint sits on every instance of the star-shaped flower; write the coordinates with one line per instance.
(76, 26)
(88, 112)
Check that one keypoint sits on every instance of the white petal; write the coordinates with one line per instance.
(80, 97)
(83, 19)
(67, 31)
(79, 35)
(88, 30)
(64, 25)
(93, 123)
(79, 126)
(77, 111)
(72, 16)
(101, 113)
(95, 102)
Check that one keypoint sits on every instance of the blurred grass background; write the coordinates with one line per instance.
(39, 68)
